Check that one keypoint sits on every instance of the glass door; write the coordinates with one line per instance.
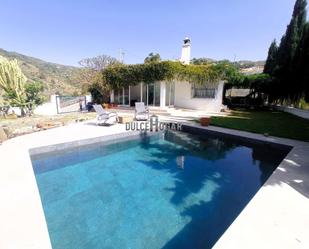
(121, 96)
(170, 94)
(117, 97)
(157, 93)
(126, 96)
(151, 92)
(145, 94)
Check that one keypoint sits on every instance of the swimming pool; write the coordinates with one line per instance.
(169, 190)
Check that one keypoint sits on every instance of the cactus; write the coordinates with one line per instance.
(12, 81)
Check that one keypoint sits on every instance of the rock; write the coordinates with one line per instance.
(48, 125)
(3, 135)
(39, 125)
(11, 116)
(22, 131)
(80, 120)
(7, 131)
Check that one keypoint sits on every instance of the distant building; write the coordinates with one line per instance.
(253, 70)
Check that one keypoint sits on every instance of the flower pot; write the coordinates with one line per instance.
(205, 121)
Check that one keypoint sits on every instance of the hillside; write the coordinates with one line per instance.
(245, 66)
(251, 67)
(55, 77)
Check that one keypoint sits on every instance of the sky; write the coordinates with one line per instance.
(66, 31)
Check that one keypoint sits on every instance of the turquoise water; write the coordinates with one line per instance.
(172, 191)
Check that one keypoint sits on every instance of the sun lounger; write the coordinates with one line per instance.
(104, 117)
(141, 111)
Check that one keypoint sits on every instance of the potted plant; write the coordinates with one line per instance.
(205, 121)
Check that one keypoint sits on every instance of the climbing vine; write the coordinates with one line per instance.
(120, 75)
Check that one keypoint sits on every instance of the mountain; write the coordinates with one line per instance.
(245, 66)
(56, 78)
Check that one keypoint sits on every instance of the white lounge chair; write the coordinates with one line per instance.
(104, 117)
(141, 111)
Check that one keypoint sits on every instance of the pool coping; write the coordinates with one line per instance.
(108, 139)
(280, 223)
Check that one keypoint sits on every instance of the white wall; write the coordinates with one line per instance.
(183, 98)
(15, 110)
(49, 108)
(162, 94)
(185, 54)
(88, 98)
(295, 111)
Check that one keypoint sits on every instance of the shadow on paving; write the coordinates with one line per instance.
(294, 171)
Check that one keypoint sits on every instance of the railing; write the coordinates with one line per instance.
(70, 103)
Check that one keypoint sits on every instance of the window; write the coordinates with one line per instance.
(121, 96)
(202, 91)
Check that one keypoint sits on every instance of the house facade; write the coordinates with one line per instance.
(173, 94)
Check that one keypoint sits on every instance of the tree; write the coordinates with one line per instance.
(12, 82)
(293, 34)
(90, 72)
(301, 66)
(305, 65)
(152, 57)
(281, 64)
(271, 62)
(298, 45)
(288, 49)
(97, 97)
(98, 63)
(33, 97)
(17, 92)
(201, 61)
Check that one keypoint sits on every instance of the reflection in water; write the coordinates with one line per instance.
(224, 173)
(180, 160)
(171, 191)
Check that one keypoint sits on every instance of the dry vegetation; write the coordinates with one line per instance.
(20, 126)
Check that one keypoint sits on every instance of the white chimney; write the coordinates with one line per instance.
(185, 52)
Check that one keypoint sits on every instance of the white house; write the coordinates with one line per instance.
(176, 94)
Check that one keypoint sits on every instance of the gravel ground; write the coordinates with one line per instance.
(27, 125)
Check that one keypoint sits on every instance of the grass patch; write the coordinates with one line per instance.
(274, 123)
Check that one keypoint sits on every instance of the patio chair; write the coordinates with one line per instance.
(104, 117)
(141, 111)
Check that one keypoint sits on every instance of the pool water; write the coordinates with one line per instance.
(172, 190)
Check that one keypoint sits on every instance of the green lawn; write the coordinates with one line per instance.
(274, 123)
